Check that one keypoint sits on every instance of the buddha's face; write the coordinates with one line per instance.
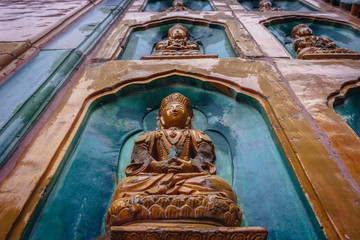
(177, 34)
(178, 4)
(175, 115)
(304, 31)
(265, 4)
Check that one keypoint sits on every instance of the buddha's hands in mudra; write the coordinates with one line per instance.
(173, 165)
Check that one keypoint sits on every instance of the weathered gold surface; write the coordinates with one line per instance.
(322, 80)
(171, 175)
(187, 231)
(14, 48)
(308, 46)
(10, 50)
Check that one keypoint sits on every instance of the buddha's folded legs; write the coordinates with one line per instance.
(174, 184)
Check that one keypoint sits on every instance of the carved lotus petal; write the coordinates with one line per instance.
(124, 215)
(171, 212)
(148, 201)
(155, 211)
(229, 219)
(193, 202)
(186, 211)
(163, 201)
(200, 212)
(178, 202)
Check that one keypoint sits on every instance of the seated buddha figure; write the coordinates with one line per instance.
(171, 175)
(266, 6)
(308, 46)
(177, 44)
(177, 6)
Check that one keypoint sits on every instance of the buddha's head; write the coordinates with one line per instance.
(301, 30)
(265, 4)
(178, 32)
(175, 111)
(177, 4)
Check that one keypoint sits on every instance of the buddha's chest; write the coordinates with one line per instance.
(173, 143)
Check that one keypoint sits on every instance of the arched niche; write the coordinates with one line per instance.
(292, 5)
(347, 106)
(162, 5)
(248, 157)
(344, 35)
(212, 39)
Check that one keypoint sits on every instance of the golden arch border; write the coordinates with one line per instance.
(154, 23)
(222, 84)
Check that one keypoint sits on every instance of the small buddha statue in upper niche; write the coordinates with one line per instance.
(177, 6)
(266, 6)
(171, 175)
(308, 46)
(177, 46)
(177, 43)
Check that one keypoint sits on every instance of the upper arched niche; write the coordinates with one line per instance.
(211, 38)
(162, 5)
(344, 35)
(292, 5)
(249, 158)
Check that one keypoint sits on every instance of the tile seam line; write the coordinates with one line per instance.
(52, 34)
(319, 133)
(109, 18)
(51, 76)
(80, 67)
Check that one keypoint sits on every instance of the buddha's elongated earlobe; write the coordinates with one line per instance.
(162, 122)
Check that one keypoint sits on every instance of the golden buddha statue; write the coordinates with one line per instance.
(177, 43)
(308, 46)
(177, 6)
(266, 6)
(171, 175)
(177, 46)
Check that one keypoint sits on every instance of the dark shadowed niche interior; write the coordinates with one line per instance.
(212, 39)
(349, 109)
(345, 36)
(248, 158)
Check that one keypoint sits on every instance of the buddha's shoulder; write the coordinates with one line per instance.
(200, 136)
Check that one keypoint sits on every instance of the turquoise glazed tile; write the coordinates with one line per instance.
(349, 109)
(81, 29)
(17, 89)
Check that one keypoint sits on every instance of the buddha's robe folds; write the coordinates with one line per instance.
(192, 146)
